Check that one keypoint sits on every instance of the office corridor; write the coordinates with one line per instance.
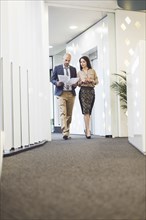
(78, 179)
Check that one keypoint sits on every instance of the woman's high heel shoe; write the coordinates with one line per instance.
(88, 137)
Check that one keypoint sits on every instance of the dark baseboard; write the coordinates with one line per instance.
(108, 136)
(14, 151)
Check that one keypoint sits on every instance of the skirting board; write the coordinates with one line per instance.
(21, 149)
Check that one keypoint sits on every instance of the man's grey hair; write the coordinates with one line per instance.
(66, 54)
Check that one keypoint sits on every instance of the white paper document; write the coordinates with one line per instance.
(72, 81)
(69, 81)
(63, 78)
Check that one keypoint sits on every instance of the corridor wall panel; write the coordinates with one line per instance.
(1, 102)
(131, 49)
(25, 53)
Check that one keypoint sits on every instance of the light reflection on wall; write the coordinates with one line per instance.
(128, 20)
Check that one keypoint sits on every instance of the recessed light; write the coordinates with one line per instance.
(73, 27)
(50, 46)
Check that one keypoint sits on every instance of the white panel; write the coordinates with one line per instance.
(25, 45)
(6, 74)
(131, 29)
(98, 115)
(1, 102)
(57, 59)
(1, 111)
(136, 98)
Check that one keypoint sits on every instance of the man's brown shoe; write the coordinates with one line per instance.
(65, 137)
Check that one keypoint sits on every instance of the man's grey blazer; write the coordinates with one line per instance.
(58, 70)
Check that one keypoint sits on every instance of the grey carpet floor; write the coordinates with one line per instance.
(77, 179)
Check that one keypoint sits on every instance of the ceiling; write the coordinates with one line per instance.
(83, 14)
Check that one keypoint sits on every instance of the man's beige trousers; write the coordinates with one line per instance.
(66, 102)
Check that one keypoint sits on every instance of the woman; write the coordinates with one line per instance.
(87, 81)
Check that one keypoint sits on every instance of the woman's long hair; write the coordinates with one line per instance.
(87, 60)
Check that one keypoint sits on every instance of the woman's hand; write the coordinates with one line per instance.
(89, 80)
(84, 81)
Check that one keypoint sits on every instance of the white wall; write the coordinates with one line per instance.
(136, 98)
(57, 60)
(1, 115)
(24, 40)
(1, 145)
(131, 37)
(102, 37)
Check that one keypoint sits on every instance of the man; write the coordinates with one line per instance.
(66, 93)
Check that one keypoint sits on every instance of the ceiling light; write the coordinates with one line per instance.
(50, 46)
(73, 27)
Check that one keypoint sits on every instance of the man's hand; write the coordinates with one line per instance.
(59, 84)
(75, 85)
